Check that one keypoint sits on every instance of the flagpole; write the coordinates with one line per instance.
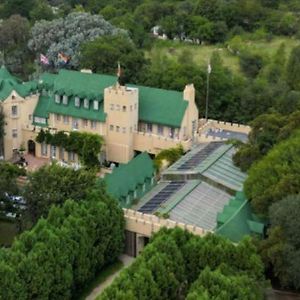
(207, 92)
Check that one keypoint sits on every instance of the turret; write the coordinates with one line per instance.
(121, 107)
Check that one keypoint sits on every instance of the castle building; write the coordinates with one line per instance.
(130, 118)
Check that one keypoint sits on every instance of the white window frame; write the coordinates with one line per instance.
(44, 149)
(65, 99)
(40, 120)
(86, 103)
(53, 151)
(57, 98)
(93, 124)
(96, 105)
(77, 101)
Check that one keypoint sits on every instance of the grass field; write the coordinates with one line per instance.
(202, 53)
(8, 231)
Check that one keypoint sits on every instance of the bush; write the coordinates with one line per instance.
(170, 155)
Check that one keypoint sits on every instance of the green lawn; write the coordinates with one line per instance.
(101, 277)
(202, 53)
(8, 231)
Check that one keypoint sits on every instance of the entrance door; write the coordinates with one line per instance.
(31, 147)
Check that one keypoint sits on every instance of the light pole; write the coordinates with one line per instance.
(207, 91)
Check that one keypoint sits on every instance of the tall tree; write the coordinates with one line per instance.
(275, 175)
(67, 34)
(20, 7)
(281, 249)
(102, 55)
(53, 185)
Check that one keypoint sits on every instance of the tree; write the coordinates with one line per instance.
(42, 11)
(103, 54)
(174, 259)
(18, 7)
(14, 34)
(263, 136)
(251, 63)
(2, 124)
(60, 254)
(8, 185)
(53, 185)
(67, 34)
(281, 249)
(217, 285)
(293, 69)
(275, 175)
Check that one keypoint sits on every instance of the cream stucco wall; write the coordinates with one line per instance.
(121, 107)
(123, 133)
(20, 122)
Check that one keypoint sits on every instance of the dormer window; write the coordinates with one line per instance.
(77, 101)
(96, 105)
(65, 100)
(86, 103)
(57, 98)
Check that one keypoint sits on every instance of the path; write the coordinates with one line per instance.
(281, 295)
(127, 261)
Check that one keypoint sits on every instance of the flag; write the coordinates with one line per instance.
(208, 68)
(63, 58)
(44, 60)
(119, 72)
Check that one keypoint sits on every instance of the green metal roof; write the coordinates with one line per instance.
(78, 112)
(160, 106)
(9, 83)
(237, 219)
(126, 177)
(81, 84)
(155, 105)
(41, 109)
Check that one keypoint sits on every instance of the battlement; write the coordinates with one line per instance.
(147, 224)
(215, 124)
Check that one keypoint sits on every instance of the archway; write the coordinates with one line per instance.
(31, 147)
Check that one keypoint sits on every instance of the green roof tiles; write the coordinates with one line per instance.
(41, 109)
(156, 106)
(9, 83)
(160, 106)
(77, 112)
(236, 221)
(126, 178)
(85, 85)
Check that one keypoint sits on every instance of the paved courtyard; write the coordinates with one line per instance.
(35, 163)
